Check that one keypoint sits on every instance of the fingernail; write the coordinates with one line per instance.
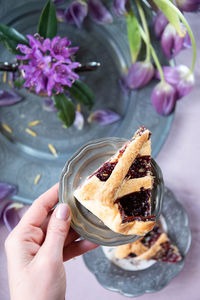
(63, 212)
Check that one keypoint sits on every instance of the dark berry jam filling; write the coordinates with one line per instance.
(151, 237)
(167, 254)
(132, 255)
(105, 171)
(135, 206)
(140, 167)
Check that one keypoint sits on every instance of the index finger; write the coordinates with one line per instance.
(40, 208)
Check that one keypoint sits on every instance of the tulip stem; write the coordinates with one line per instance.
(144, 24)
(154, 55)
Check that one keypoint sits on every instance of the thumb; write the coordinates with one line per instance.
(57, 231)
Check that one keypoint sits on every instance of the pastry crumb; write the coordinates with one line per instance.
(7, 128)
(31, 132)
(34, 123)
(37, 179)
(52, 149)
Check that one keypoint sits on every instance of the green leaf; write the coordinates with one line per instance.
(82, 93)
(134, 35)
(85, 91)
(47, 26)
(12, 34)
(19, 82)
(11, 45)
(169, 10)
(66, 110)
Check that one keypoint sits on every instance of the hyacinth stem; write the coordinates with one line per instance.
(154, 55)
(182, 18)
(144, 24)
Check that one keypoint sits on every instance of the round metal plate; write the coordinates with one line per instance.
(156, 277)
(83, 163)
(22, 156)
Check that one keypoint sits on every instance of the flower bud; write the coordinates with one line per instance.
(188, 5)
(180, 77)
(120, 7)
(160, 22)
(104, 117)
(98, 12)
(163, 98)
(76, 13)
(139, 74)
(172, 43)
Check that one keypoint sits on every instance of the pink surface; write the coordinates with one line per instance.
(180, 162)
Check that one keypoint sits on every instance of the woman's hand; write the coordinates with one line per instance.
(37, 247)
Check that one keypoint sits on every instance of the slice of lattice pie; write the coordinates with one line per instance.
(119, 192)
(154, 245)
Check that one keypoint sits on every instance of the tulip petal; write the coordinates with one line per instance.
(120, 7)
(164, 98)
(98, 12)
(48, 105)
(160, 22)
(104, 117)
(10, 215)
(188, 5)
(7, 190)
(76, 13)
(79, 120)
(8, 97)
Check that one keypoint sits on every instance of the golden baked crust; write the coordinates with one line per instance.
(100, 196)
(143, 251)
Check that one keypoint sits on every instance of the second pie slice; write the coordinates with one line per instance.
(119, 192)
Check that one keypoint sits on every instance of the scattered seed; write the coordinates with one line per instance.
(7, 128)
(5, 77)
(34, 123)
(78, 107)
(37, 179)
(31, 132)
(52, 149)
(9, 82)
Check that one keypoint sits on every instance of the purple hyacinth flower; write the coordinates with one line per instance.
(188, 5)
(120, 7)
(76, 13)
(172, 43)
(180, 77)
(139, 75)
(8, 98)
(164, 98)
(104, 117)
(98, 12)
(48, 66)
(160, 22)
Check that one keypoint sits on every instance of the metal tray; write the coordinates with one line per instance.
(156, 277)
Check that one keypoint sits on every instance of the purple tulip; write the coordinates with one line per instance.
(188, 5)
(172, 43)
(160, 22)
(104, 117)
(164, 98)
(8, 98)
(8, 212)
(180, 77)
(120, 7)
(139, 75)
(79, 120)
(76, 13)
(98, 12)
